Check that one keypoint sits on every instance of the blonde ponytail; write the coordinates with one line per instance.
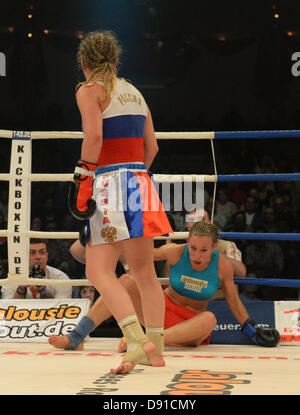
(100, 52)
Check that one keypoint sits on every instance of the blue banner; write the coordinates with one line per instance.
(228, 329)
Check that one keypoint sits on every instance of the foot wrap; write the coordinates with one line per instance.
(135, 338)
(83, 328)
(156, 336)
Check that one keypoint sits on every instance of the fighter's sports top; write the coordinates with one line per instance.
(123, 126)
(198, 285)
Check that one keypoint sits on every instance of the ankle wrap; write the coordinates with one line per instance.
(83, 328)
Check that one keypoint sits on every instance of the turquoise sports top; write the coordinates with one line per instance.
(198, 285)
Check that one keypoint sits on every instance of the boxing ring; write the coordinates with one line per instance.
(216, 369)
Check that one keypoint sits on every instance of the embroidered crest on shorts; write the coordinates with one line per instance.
(109, 233)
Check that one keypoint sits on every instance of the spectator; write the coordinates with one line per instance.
(253, 192)
(250, 209)
(53, 244)
(248, 292)
(38, 257)
(235, 193)
(4, 201)
(36, 224)
(69, 223)
(176, 216)
(283, 219)
(36, 199)
(65, 261)
(224, 209)
(88, 292)
(265, 260)
(265, 164)
(291, 197)
(49, 214)
(238, 224)
(264, 194)
(266, 218)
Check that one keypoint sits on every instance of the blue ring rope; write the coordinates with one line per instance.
(272, 282)
(257, 134)
(261, 236)
(257, 177)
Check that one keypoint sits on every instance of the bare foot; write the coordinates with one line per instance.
(122, 345)
(157, 361)
(126, 367)
(123, 368)
(62, 342)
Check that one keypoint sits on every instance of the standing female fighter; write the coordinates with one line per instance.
(113, 189)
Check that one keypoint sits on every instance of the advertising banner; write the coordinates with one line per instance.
(287, 317)
(36, 320)
(228, 329)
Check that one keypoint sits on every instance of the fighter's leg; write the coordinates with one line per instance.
(191, 332)
(97, 314)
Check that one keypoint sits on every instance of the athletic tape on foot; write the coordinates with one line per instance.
(83, 328)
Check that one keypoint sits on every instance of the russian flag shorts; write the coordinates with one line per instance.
(128, 205)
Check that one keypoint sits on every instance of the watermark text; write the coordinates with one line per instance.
(296, 66)
(2, 64)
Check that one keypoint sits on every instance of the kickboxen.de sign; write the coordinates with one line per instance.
(36, 320)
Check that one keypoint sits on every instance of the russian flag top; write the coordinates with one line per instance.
(123, 126)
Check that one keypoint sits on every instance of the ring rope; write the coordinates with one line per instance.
(173, 178)
(272, 282)
(19, 137)
(185, 135)
(216, 177)
(254, 236)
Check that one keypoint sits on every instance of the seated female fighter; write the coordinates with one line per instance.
(197, 269)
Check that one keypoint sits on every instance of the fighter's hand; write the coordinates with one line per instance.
(262, 336)
(80, 201)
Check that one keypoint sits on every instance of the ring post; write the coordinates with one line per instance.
(18, 222)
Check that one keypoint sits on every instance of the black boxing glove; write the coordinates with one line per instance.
(82, 235)
(80, 202)
(262, 336)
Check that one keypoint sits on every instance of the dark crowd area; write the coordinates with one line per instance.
(226, 66)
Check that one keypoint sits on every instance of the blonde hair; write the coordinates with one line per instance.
(100, 52)
(205, 229)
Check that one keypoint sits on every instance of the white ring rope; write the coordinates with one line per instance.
(75, 235)
(215, 185)
(40, 135)
(68, 177)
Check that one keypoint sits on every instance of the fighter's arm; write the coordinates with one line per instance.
(78, 252)
(261, 336)
(228, 287)
(87, 98)
(239, 268)
(230, 250)
(169, 252)
(150, 142)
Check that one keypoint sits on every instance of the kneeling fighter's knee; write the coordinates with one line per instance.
(127, 280)
(211, 318)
